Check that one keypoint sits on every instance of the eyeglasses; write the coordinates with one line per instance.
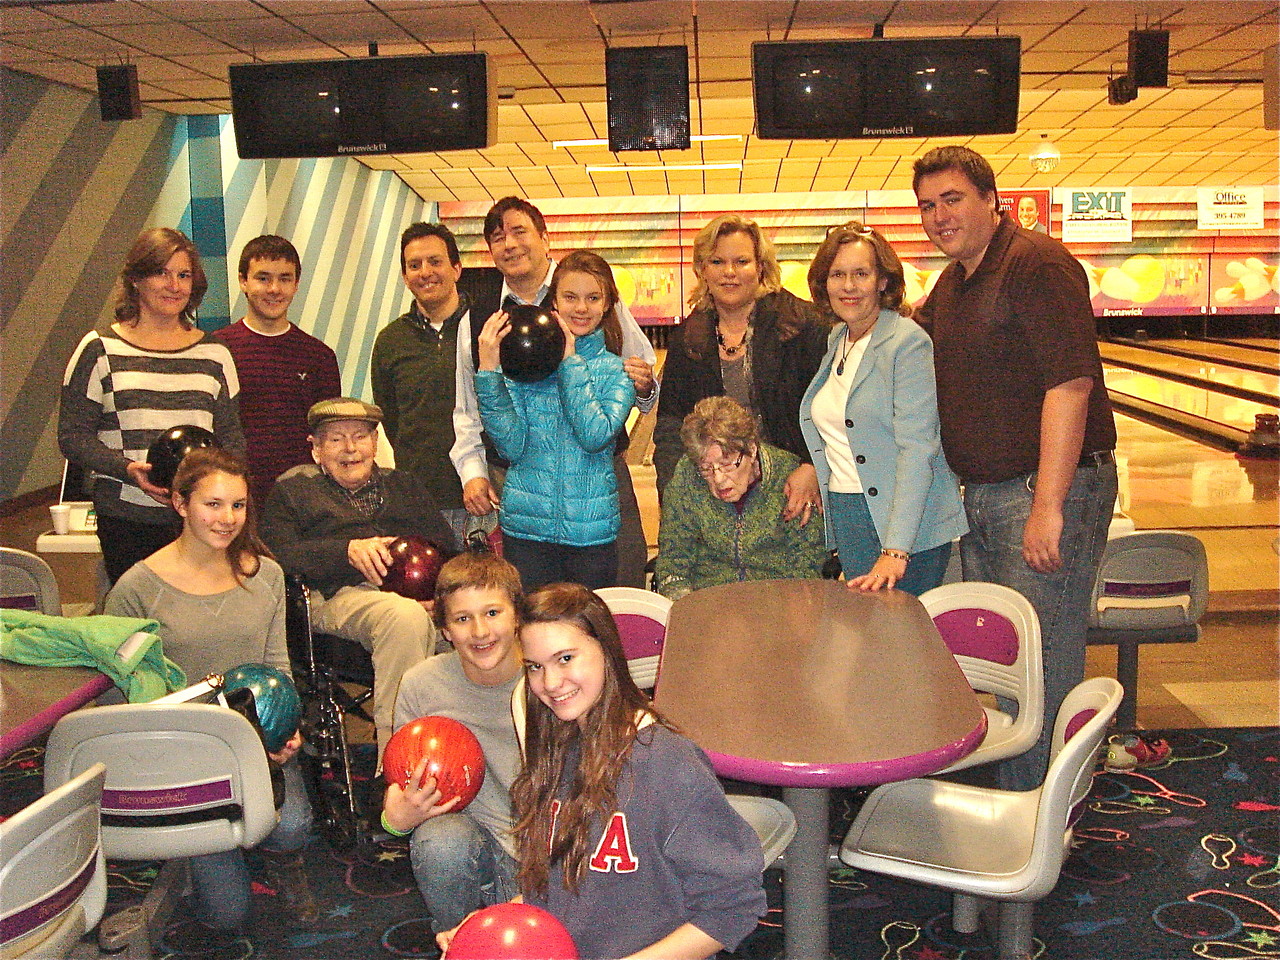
(855, 227)
(710, 470)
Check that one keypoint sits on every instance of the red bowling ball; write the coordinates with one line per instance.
(415, 565)
(534, 347)
(453, 755)
(512, 931)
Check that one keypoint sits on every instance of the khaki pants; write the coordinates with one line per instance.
(397, 631)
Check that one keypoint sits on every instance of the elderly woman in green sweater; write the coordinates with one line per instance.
(722, 512)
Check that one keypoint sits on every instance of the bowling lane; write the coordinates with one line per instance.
(1240, 354)
(1185, 401)
(1168, 481)
(1223, 374)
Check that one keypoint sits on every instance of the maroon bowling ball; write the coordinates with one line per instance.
(534, 347)
(168, 450)
(415, 564)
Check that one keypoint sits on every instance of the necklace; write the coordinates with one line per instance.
(728, 350)
(849, 344)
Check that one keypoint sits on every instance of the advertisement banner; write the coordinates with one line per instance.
(1229, 208)
(1097, 216)
(1030, 208)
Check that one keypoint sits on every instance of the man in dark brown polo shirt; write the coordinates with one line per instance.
(1026, 423)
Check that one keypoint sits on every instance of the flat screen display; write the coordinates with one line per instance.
(827, 90)
(325, 108)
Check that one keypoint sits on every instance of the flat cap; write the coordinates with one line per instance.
(342, 408)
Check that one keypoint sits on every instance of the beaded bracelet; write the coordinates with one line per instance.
(896, 554)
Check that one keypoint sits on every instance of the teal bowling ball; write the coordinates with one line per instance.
(275, 699)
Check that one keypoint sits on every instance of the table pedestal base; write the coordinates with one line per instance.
(804, 881)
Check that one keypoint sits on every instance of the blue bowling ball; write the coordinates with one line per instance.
(274, 698)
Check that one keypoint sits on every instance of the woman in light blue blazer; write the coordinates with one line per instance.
(870, 419)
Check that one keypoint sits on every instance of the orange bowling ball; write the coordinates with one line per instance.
(453, 755)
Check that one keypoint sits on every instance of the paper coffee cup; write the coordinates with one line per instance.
(61, 515)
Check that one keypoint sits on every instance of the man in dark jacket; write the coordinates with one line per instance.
(331, 522)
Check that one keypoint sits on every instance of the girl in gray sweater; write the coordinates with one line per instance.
(219, 599)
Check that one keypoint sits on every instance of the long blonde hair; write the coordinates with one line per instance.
(705, 242)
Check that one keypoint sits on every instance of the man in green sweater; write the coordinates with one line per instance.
(414, 366)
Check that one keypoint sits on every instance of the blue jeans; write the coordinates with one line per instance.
(221, 881)
(859, 545)
(992, 551)
(459, 867)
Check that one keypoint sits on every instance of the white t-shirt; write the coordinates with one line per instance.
(828, 413)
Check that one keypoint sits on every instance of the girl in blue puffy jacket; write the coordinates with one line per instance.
(559, 511)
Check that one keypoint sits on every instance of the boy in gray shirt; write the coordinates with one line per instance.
(464, 861)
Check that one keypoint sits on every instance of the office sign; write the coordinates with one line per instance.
(1229, 208)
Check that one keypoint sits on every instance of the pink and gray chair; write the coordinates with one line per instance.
(994, 634)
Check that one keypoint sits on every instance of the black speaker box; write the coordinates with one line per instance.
(1121, 90)
(648, 97)
(118, 92)
(1149, 57)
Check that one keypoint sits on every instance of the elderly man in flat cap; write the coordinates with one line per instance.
(330, 523)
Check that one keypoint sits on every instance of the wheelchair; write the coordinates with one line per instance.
(323, 666)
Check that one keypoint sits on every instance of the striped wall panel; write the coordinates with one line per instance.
(76, 193)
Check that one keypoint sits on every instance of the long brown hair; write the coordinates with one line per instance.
(888, 265)
(148, 256)
(594, 265)
(246, 550)
(604, 736)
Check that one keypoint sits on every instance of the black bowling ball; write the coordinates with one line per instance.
(168, 450)
(534, 347)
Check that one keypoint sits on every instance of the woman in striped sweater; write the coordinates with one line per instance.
(150, 370)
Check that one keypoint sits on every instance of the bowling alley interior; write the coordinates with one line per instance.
(1141, 134)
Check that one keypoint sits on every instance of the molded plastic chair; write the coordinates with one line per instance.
(983, 843)
(52, 870)
(641, 616)
(28, 583)
(994, 634)
(183, 780)
(1152, 587)
(772, 820)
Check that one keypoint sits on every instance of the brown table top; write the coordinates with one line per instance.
(33, 698)
(808, 683)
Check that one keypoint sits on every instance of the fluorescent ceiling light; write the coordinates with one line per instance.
(661, 167)
(604, 142)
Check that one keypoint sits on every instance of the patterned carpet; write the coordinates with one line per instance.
(1178, 860)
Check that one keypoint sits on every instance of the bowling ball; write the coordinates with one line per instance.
(453, 755)
(415, 564)
(274, 698)
(534, 347)
(512, 931)
(167, 451)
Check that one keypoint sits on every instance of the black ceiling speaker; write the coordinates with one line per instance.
(1149, 57)
(1121, 90)
(118, 92)
(648, 97)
